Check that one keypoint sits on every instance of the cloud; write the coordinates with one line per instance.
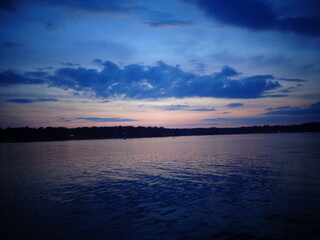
(169, 23)
(182, 107)
(232, 105)
(203, 109)
(275, 96)
(69, 64)
(24, 100)
(198, 67)
(46, 100)
(150, 17)
(158, 19)
(258, 15)
(292, 79)
(98, 119)
(8, 5)
(35, 74)
(51, 25)
(281, 108)
(301, 25)
(176, 107)
(20, 100)
(110, 6)
(64, 120)
(137, 81)
(288, 90)
(216, 119)
(261, 120)
(243, 13)
(313, 109)
(10, 45)
(44, 68)
(11, 78)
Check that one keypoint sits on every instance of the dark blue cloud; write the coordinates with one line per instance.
(183, 107)
(159, 81)
(159, 19)
(155, 18)
(51, 25)
(64, 120)
(232, 105)
(203, 109)
(258, 15)
(136, 81)
(35, 74)
(281, 108)
(69, 64)
(288, 90)
(148, 16)
(10, 78)
(217, 119)
(176, 107)
(251, 14)
(292, 79)
(262, 120)
(46, 100)
(168, 23)
(45, 68)
(20, 100)
(9, 45)
(112, 6)
(8, 5)
(24, 100)
(301, 25)
(275, 96)
(98, 119)
(313, 109)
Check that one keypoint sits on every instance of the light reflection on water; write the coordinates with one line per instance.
(200, 187)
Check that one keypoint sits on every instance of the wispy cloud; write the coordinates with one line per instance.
(26, 100)
(169, 23)
(11, 78)
(69, 64)
(281, 108)
(51, 25)
(10, 45)
(203, 109)
(64, 120)
(98, 119)
(175, 107)
(292, 79)
(157, 19)
(233, 105)
(110, 6)
(313, 109)
(260, 120)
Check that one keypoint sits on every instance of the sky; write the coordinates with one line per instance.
(165, 63)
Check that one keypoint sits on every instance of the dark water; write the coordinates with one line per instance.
(261, 186)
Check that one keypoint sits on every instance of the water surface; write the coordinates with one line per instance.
(258, 186)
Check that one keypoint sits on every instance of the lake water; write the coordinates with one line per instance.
(258, 186)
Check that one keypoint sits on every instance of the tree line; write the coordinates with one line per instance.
(27, 134)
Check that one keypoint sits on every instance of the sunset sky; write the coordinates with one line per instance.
(170, 63)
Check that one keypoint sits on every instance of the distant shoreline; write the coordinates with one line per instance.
(26, 134)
